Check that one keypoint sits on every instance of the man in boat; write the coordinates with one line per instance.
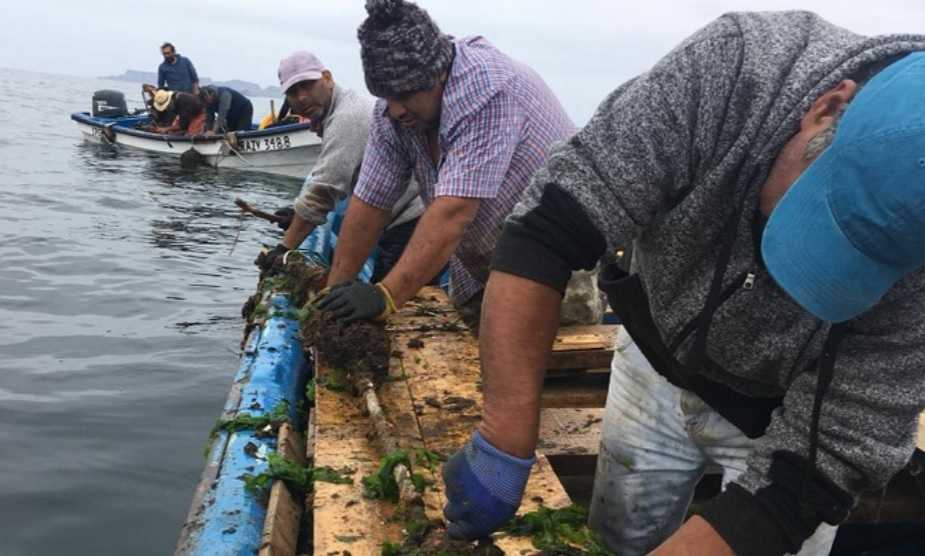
(160, 107)
(770, 174)
(341, 117)
(190, 115)
(176, 72)
(472, 125)
(226, 109)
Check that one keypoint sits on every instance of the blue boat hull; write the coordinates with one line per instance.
(224, 518)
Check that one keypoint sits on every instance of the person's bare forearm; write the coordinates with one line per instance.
(519, 322)
(695, 538)
(358, 235)
(297, 231)
(436, 236)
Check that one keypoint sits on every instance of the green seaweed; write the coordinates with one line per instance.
(293, 473)
(561, 531)
(261, 310)
(383, 486)
(425, 458)
(427, 538)
(310, 390)
(405, 549)
(275, 283)
(246, 421)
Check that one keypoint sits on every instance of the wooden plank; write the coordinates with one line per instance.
(553, 374)
(583, 347)
(444, 381)
(310, 437)
(584, 391)
(281, 526)
(307, 527)
(290, 443)
(584, 359)
(345, 521)
(585, 337)
(570, 431)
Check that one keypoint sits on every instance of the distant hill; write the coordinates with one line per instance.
(245, 87)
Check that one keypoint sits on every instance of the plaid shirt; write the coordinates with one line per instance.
(498, 122)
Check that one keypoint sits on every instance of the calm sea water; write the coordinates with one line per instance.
(119, 324)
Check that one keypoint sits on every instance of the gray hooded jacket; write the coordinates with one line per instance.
(664, 161)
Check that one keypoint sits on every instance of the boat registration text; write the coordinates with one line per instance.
(275, 143)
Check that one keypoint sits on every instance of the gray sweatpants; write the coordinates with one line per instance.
(657, 442)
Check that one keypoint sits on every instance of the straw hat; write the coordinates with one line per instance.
(162, 99)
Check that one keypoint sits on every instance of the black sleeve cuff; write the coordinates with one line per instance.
(520, 254)
(550, 241)
(778, 518)
(745, 524)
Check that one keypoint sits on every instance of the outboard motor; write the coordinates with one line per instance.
(109, 104)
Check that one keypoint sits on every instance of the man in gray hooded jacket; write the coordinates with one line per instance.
(684, 163)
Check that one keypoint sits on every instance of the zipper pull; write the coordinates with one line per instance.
(749, 281)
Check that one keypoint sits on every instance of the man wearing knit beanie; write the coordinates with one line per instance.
(473, 126)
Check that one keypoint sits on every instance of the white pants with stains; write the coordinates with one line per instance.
(657, 442)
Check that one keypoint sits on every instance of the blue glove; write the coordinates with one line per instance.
(484, 487)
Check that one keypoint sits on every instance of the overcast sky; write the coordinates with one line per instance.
(582, 48)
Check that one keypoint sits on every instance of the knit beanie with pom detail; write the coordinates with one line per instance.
(403, 50)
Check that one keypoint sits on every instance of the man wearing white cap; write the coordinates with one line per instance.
(341, 118)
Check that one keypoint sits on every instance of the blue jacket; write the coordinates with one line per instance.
(178, 76)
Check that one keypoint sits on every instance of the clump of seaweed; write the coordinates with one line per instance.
(304, 278)
(559, 532)
(297, 476)
(268, 424)
(245, 421)
(298, 278)
(428, 538)
(383, 485)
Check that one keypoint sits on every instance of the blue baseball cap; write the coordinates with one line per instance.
(854, 222)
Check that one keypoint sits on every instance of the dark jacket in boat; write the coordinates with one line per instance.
(178, 76)
(228, 110)
(671, 164)
(187, 107)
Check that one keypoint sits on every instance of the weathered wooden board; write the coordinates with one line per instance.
(345, 521)
(570, 431)
(585, 337)
(583, 390)
(583, 347)
(444, 380)
(291, 443)
(434, 401)
(281, 527)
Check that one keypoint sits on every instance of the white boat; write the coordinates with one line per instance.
(287, 150)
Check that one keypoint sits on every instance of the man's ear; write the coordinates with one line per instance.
(824, 112)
